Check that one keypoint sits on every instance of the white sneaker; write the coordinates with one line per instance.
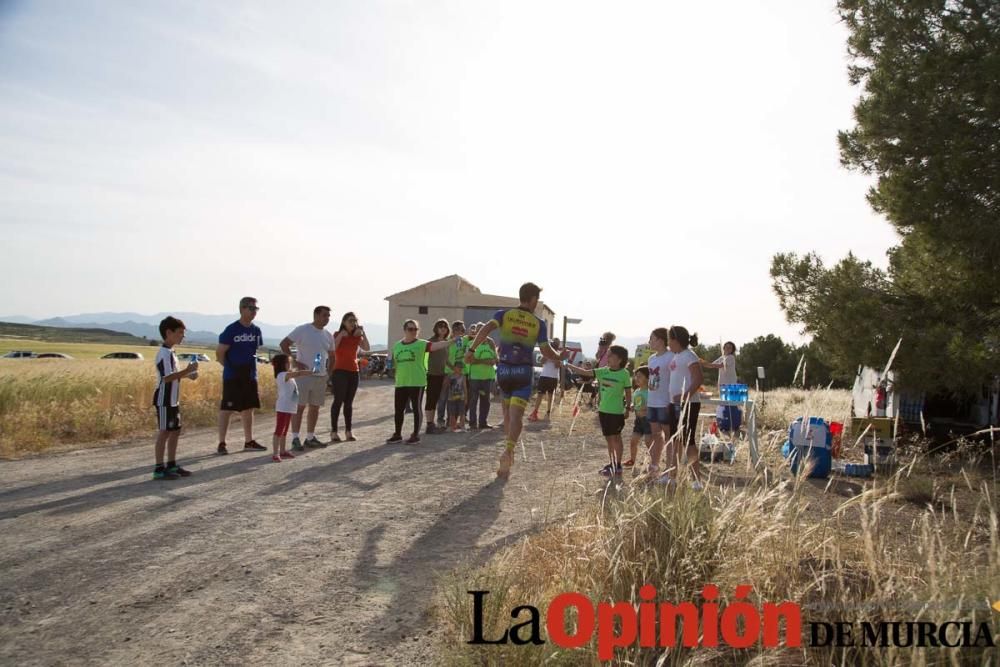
(697, 486)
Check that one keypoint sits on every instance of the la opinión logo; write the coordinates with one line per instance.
(738, 624)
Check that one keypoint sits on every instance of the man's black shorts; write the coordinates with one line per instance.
(611, 424)
(239, 395)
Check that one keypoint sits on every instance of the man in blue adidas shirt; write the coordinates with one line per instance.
(237, 352)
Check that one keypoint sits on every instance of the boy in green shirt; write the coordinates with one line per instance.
(641, 430)
(615, 387)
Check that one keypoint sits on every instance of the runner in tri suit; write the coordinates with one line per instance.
(520, 330)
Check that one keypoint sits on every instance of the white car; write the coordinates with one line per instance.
(19, 354)
(124, 355)
(192, 356)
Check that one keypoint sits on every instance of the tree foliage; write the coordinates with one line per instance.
(928, 128)
(779, 359)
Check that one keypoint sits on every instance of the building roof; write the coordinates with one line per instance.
(458, 281)
(453, 277)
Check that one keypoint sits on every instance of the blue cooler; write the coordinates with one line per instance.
(811, 442)
(729, 418)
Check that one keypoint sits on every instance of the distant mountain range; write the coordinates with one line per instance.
(204, 329)
(201, 328)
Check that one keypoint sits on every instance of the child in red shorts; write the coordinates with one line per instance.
(286, 405)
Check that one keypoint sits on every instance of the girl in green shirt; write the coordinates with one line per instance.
(615, 386)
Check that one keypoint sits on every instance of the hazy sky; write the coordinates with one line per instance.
(640, 161)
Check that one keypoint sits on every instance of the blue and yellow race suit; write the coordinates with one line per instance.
(520, 330)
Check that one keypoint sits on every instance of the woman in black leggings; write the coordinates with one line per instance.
(411, 377)
(436, 372)
(346, 342)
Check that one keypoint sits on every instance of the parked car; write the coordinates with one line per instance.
(377, 362)
(124, 355)
(192, 356)
(261, 359)
(19, 354)
(53, 355)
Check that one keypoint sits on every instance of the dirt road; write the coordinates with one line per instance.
(327, 559)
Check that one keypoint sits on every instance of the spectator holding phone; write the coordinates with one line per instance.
(604, 349)
(346, 373)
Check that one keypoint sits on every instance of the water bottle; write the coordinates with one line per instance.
(194, 362)
(858, 470)
(318, 364)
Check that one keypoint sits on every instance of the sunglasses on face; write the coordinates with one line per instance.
(411, 329)
(252, 308)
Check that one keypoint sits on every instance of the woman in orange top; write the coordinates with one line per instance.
(346, 342)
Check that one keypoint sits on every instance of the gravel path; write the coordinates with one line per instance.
(328, 559)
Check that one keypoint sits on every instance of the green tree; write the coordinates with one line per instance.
(709, 353)
(773, 354)
(928, 127)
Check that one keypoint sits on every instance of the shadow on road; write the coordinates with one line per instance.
(96, 498)
(451, 540)
(86, 481)
(342, 470)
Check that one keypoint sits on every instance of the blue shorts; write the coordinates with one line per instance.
(659, 415)
(641, 426)
(515, 382)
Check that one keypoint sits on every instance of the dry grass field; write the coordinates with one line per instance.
(56, 403)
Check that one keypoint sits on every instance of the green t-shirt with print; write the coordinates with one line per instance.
(408, 358)
(483, 371)
(640, 397)
(456, 353)
(467, 371)
(612, 385)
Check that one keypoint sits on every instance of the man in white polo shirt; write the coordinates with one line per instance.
(310, 339)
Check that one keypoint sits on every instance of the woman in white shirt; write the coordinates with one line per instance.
(548, 380)
(658, 406)
(728, 417)
(685, 383)
(726, 364)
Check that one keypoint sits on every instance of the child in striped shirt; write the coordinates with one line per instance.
(167, 400)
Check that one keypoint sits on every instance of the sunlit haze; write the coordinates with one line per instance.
(641, 162)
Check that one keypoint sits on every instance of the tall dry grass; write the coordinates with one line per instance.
(46, 402)
(777, 408)
(843, 550)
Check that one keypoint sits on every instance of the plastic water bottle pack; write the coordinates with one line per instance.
(734, 392)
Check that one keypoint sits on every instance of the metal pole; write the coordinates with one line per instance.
(562, 369)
